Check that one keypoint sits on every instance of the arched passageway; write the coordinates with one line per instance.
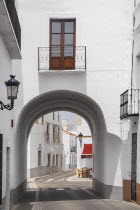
(107, 147)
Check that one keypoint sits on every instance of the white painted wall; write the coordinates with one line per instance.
(69, 140)
(8, 67)
(135, 121)
(108, 54)
(66, 151)
(6, 116)
(38, 140)
(105, 28)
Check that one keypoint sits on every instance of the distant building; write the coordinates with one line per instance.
(84, 147)
(70, 146)
(70, 150)
(45, 148)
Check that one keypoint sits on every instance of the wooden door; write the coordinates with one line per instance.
(134, 167)
(62, 44)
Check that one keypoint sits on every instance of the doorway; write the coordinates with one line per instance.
(7, 177)
(134, 167)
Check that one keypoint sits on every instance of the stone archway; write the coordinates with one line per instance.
(65, 100)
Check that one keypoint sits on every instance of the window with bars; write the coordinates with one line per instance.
(39, 158)
(54, 134)
(48, 132)
(57, 160)
(53, 160)
(59, 135)
(49, 160)
(53, 115)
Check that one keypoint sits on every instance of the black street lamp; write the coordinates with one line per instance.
(12, 86)
(80, 136)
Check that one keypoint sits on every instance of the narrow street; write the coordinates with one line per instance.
(65, 191)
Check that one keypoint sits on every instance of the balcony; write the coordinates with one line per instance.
(57, 58)
(10, 28)
(129, 106)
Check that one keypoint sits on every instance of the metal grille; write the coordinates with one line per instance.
(129, 105)
(14, 19)
(44, 54)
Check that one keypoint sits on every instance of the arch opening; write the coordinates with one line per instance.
(57, 148)
(64, 100)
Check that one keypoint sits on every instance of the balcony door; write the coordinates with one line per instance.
(62, 44)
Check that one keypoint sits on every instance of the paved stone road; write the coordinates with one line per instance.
(63, 191)
(63, 180)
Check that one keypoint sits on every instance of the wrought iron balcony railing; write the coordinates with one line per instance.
(58, 58)
(129, 105)
(14, 19)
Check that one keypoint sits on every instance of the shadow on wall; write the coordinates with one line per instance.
(112, 164)
(126, 161)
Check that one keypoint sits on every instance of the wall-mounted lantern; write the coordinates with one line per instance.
(12, 86)
(80, 136)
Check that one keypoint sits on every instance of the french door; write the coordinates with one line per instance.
(62, 44)
(134, 167)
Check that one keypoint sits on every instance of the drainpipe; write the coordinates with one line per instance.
(132, 54)
(133, 49)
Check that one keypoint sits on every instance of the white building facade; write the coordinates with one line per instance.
(57, 61)
(76, 56)
(70, 150)
(45, 146)
(10, 64)
(130, 119)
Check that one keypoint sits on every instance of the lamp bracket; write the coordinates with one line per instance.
(8, 106)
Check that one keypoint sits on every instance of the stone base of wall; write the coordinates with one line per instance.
(44, 170)
(3, 204)
(127, 191)
(107, 191)
(138, 194)
(17, 193)
(72, 166)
